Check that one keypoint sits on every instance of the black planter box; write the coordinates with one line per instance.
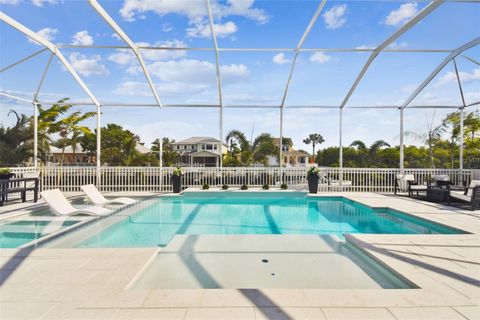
(312, 183)
(177, 183)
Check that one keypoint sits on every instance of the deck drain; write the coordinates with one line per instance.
(264, 260)
(272, 274)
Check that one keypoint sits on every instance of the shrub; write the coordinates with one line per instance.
(205, 186)
(265, 187)
(177, 171)
(224, 187)
(5, 170)
(244, 187)
(284, 186)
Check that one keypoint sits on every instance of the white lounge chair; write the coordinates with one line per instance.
(98, 199)
(61, 207)
(470, 195)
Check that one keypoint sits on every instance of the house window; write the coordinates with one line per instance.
(215, 147)
(209, 147)
(302, 159)
(178, 147)
(184, 147)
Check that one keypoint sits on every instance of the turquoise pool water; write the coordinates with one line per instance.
(14, 233)
(248, 213)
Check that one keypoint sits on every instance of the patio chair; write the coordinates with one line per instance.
(470, 195)
(407, 182)
(98, 199)
(61, 207)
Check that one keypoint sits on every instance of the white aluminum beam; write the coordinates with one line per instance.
(461, 114)
(254, 49)
(10, 96)
(50, 46)
(297, 51)
(471, 59)
(439, 68)
(22, 60)
(118, 30)
(407, 26)
(219, 81)
(402, 137)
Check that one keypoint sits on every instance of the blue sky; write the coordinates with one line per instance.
(188, 77)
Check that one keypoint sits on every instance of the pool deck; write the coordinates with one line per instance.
(49, 283)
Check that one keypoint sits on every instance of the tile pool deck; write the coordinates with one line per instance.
(50, 283)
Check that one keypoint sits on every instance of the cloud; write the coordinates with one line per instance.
(82, 38)
(126, 56)
(186, 76)
(465, 77)
(402, 14)
(334, 18)
(280, 58)
(366, 46)
(320, 57)
(194, 10)
(41, 3)
(10, 2)
(202, 30)
(45, 33)
(87, 65)
(398, 45)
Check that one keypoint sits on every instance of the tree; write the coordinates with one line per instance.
(71, 131)
(169, 156)
(314, 139)
(15, 146)
(118, 146)
(249, 153)
(48, 124)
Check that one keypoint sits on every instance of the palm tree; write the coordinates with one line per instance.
(48, 123)
(15, 142)
(257, 151)
(70, 130)
(314, 139)
(373, 150)
(362, 151)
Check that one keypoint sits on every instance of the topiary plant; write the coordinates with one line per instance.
(244, 187)
(224, 187)
(284, 186)
(205, 186)
(265, 187)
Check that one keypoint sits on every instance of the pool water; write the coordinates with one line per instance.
(14, 233)
(249, 213)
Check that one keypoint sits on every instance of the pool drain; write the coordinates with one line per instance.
(265, 260)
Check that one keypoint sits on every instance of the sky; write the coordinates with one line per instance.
(248, 78)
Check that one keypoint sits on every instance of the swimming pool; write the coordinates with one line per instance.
(154, 223)
(14, 233)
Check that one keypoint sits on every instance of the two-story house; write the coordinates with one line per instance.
(291, 157)
(204, 151)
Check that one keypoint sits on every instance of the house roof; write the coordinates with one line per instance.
(195, 140)
(142, 149)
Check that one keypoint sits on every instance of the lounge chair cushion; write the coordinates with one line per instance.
(473, 184)
(418, 187)
(97, 198)
(460, 196)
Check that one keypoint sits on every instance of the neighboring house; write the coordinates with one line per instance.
(291, 157)
(203, 151)
(80, 157)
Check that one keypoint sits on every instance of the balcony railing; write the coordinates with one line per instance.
(155, 179)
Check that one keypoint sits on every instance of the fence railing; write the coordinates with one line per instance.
(155, 179)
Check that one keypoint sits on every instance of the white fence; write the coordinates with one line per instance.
(159, 179)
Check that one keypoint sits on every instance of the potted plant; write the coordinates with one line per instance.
(225, 187)
(244, 187)
(284, 186)
(312, 178)
(265, 186)
(6, 173)
(205, 186)
(177, 180)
